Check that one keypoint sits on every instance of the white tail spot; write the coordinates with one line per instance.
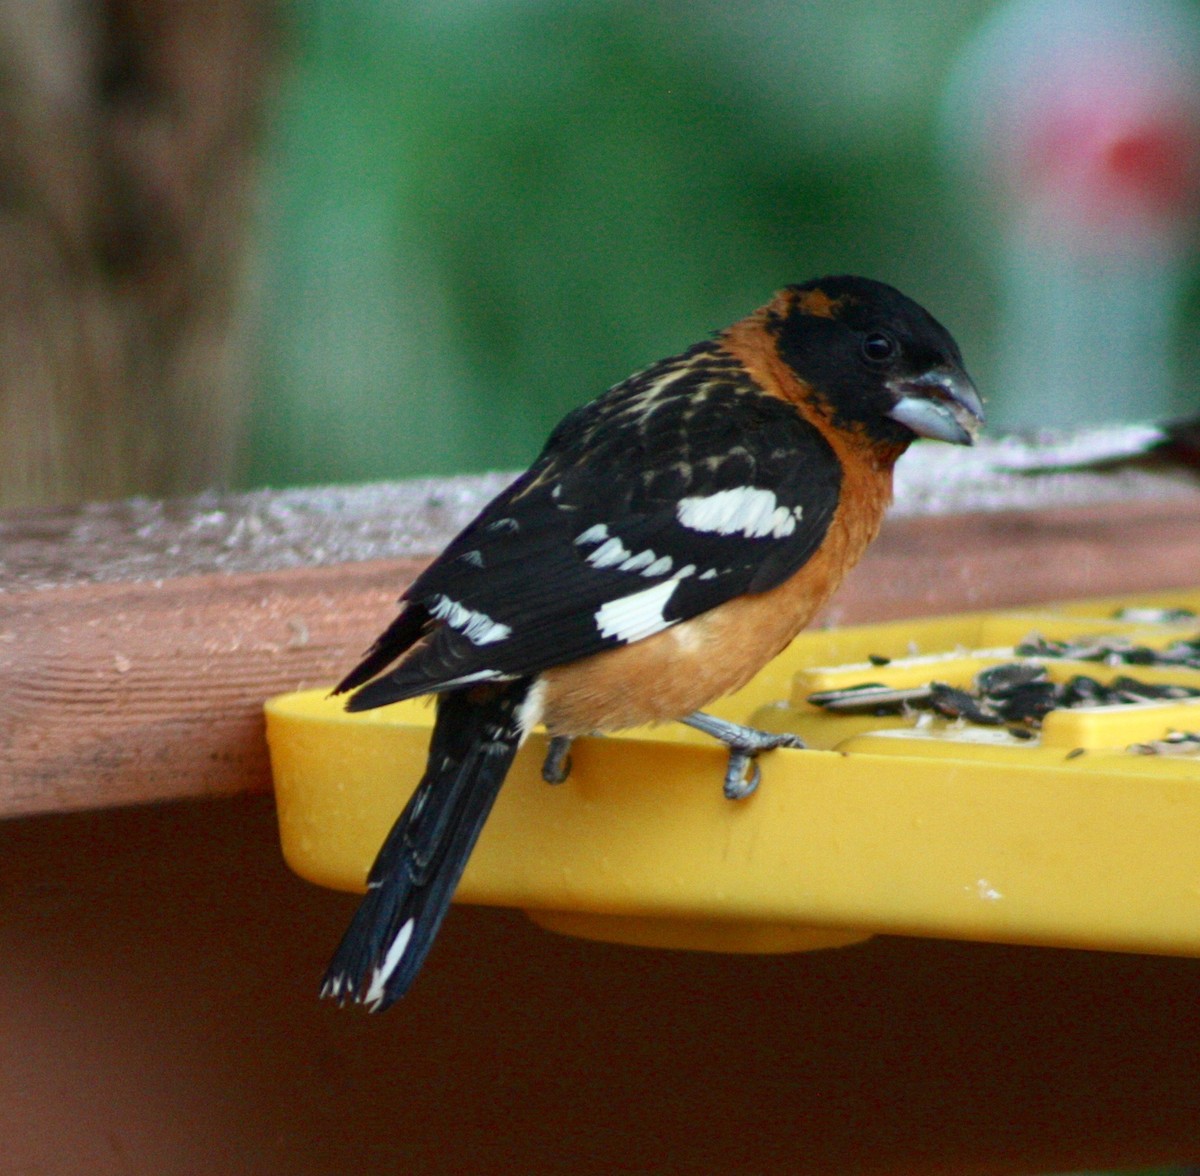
(391, 961)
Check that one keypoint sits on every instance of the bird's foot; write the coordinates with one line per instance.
(556, 767)
(742, 775)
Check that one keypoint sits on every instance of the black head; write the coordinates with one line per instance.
(876, 361)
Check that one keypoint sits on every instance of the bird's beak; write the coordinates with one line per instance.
(941, 403)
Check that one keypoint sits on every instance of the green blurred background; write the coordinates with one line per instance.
(479, 214)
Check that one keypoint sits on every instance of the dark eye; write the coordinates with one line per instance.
(879, 347)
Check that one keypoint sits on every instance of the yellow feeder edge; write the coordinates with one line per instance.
(881, 827)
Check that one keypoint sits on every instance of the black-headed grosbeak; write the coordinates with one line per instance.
(672, 537)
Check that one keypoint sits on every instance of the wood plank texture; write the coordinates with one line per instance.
(139, 640)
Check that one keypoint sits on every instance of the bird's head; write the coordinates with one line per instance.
(875, 362)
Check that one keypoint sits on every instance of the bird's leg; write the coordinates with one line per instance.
(744, 744)
(557, 765)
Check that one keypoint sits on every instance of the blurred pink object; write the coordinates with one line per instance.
(1079, 123)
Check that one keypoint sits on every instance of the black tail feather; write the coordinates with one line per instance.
(416, 872)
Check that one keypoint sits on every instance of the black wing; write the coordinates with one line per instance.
(675, 491)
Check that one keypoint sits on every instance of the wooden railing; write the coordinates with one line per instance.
(138, 640)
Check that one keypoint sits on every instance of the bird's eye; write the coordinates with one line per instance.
(879, 347)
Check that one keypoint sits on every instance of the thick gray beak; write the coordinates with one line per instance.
(942, 404)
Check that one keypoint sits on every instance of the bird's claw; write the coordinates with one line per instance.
(556, 767)
(744, 744)
(740, 783)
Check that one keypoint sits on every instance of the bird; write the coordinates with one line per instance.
(674, 535)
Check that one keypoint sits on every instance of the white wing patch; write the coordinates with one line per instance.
(476, 627)
(643, 562)
(639, 615)
(610, 552)
(596, 534)
(744, 510)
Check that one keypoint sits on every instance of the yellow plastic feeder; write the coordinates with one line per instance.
(893, 825)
